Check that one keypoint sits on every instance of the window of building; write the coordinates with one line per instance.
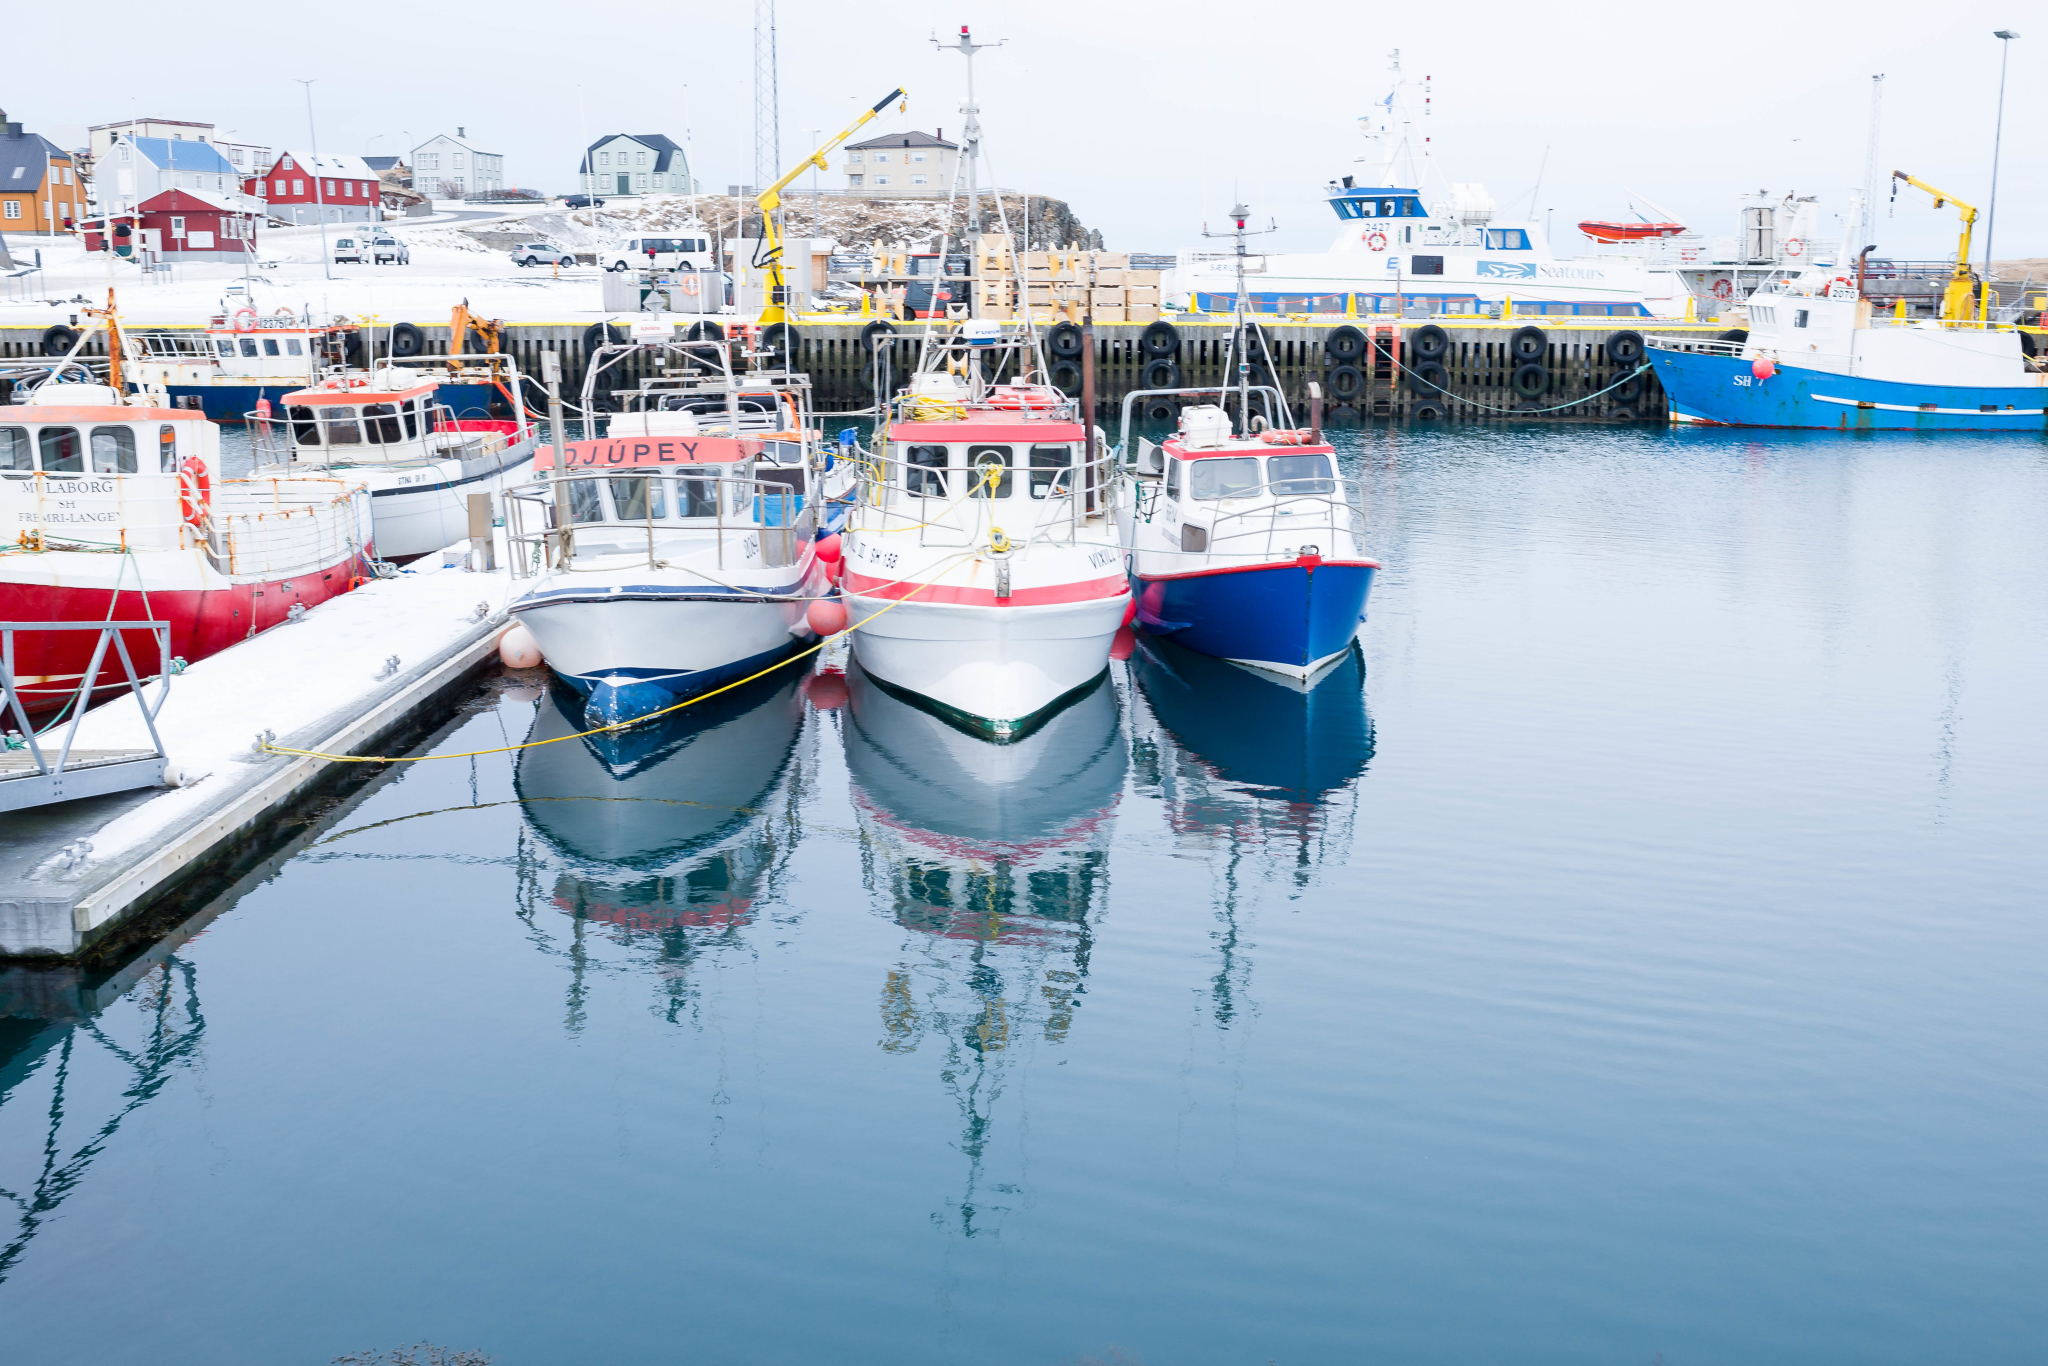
(298, 186)
(853, 158)
(12, 209)
(917, 180)
(640, 180)
(279, 191)
(286, 164)
(640, 159)
(456, 164)
(177, 226)
(604, 158)
(330, 187)
(854, 182)
(917, 156)
(881, 180)
(881, 157)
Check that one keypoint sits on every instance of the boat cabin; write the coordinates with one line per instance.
(354, 422)
(1030, 460)
(77, 464)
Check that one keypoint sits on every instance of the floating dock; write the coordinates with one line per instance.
(367, 669)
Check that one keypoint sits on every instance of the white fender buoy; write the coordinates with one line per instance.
(518, 649)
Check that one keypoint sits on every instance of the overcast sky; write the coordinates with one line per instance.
(1146, 118)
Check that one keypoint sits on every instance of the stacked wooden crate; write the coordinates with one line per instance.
(1064, 283)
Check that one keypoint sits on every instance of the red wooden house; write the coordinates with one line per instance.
(188, 225)
(303, 189)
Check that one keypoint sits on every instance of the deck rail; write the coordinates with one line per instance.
(97, 772)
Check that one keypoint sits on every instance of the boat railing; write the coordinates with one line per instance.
(953, 506)
(374, 432)
(29, 774)
(561, 517)
(1254, 533)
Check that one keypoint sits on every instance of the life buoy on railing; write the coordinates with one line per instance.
(245, 319)
(1841, 287)
(1375, 241)
(1723, 289)
(195, 490)
(689, 285)
(1299, 436)
(1795, 246)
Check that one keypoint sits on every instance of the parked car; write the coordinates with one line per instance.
(347, 249)
(384, 247)
(540, 254)
(581, 201)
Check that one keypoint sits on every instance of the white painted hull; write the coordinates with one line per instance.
(419, 508)
(996, 666)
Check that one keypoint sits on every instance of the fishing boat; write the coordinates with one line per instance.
(387, 430)
(111, 507)
(245, 357)
(982, 553)
(1406, 246)
(679, 551)
(1818, 353)
(1242, 542)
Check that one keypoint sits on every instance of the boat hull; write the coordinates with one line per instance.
(419, 509)
(1289, 618)
(640, 649)
(996, 671)
(1723, 390)
(207, 613)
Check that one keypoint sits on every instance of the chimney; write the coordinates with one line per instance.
(942, 132)
(11, 131)
(459, 132)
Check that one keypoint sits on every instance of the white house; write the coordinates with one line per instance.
(634, 163)
(450, 168)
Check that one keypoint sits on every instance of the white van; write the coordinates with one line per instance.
(661, 253)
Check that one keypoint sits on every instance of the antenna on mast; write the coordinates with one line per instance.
(970, 136)
(1867, 226)
(767, 101)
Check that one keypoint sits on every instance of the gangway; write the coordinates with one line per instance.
(28, 775)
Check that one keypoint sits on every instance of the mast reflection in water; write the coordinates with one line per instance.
(669, 834)
(994, 857)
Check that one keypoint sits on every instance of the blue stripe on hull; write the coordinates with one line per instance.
(624, 694)
(1288, 614)
(234, 402)
(1722, 389)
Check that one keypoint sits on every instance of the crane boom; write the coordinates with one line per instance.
(770, 199)
(1956, 300)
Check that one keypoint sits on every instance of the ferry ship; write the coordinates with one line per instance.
(1403, 249)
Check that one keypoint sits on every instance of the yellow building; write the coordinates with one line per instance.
(39, 188)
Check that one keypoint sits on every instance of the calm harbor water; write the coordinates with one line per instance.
(1636, 952)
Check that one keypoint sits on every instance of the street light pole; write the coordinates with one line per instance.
(319, 198)
(2005, 37)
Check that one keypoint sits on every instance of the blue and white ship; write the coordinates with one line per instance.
(1817, 353)
(1404, 248)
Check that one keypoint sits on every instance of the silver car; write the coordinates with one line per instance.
(384, 247)
(540, 254)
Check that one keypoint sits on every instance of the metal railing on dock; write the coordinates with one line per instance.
(28, 775)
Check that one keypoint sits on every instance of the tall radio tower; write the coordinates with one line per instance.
(767, 105)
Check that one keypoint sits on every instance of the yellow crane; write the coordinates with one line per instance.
(1958, 301)
(770, 199)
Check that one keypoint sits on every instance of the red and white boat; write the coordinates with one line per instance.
(986, 530)
(116, 508)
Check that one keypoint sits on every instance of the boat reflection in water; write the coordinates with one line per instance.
(665, 833)
(1258, 774)
(994, 856)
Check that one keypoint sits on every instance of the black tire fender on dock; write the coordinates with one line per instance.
(1621, 415)
(880, 327)
(594, 336)
(1344, 415)
(59, 340)
(1160, 341)
(352, 349)
(704, 330)
(1429, 379)
(1528, 344)
(1346, 382)
(407, 340)
(1160, 373)
(1530, 379)
(776, 345)
(1738, 335)
(1066, 374)
(1626, 390)
(1430, 342)
(1345, 345)
(1161, 410)
(1064, 342)
(1426, 410)
(1625, 348)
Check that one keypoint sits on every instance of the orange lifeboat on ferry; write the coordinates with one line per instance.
(1629, 232)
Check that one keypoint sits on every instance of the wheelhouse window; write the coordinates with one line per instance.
(293, 346)
(1228, 477)
(305, 429)
(696, 496)
(380, 423)
(338, 426)
(924, 470)
(1173, 480)
(978, 457)
(113, 450)
(62, 451)
(1507, 239)
(636, 500)
(166, 449)
(249, 347)
(225, 346)
(1050, 467)
(17, 459)
(1288, 475)
(270, 346)
(585, 504)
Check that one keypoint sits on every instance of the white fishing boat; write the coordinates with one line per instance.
(676, 553)
(982, 553)
(386, 430)
(1409, 242)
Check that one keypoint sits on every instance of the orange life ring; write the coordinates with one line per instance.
(1827, 291)
(1299, 436)
(689, 285)
(1375, 241)
(245, 319)
(1723, 289)
(195, 491)
(1794, 246)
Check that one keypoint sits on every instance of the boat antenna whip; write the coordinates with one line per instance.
(1240, 316)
